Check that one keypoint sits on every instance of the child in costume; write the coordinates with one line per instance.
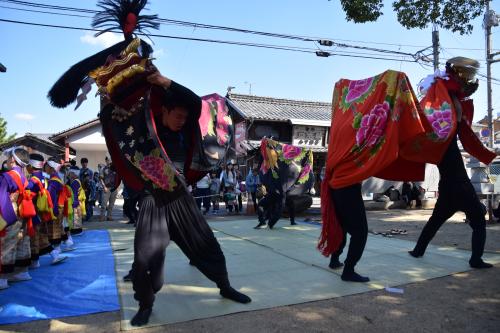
(40, 244)
(58, 196)
(17, 211)
(78, 201)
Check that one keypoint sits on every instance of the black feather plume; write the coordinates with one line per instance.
(114, 14)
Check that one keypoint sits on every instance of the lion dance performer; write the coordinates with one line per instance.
(447, 101)
(161, 137)
(287, 173)
(380, 129)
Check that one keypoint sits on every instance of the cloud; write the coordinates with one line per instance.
(24, 116)
(106, 39)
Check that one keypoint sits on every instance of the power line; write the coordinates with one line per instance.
(44, 12)
(259, 45)
(416, 56)
(223, 28)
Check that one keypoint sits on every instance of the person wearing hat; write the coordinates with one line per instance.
(58, 196)
(456, 192)
(40, 244)
(17, 211)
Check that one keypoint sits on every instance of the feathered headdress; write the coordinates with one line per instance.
(122, 14)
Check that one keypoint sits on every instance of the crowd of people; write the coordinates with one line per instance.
(228, 185)
(43, 205)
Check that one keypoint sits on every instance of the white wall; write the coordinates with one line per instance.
(93, 156)
(89, 143)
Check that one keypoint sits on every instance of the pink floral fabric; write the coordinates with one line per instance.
(372, 125)
(441, 120)
(154, 168)
(304, 174)
(290, 151)
(357, 89)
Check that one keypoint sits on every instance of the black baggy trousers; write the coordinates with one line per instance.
(179, 220)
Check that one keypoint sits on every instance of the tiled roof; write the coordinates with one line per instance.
(75, 129)
(33, 137)
(43, 136)
(278, 109)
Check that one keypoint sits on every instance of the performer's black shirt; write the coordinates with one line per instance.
(178, 144)
(451, 167)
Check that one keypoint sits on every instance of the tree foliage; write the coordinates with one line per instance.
(453, 15)
(4, 137)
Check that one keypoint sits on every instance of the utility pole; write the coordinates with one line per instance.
(487, 29)
(490, 19)
(435, 46)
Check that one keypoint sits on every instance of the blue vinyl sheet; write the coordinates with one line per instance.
(84, 283)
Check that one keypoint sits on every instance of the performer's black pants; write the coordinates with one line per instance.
(181, 221)
(270, 208)
(350, 210)
(454, 196)
(290, 205)
(130, 207)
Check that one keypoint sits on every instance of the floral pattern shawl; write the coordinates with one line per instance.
(286, 168)
(380, 129)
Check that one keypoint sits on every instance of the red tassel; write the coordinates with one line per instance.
(129, 24)
(30, 228)
(331, 232)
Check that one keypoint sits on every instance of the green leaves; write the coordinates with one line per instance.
(361, 11)
(453, 15)
(4, 137)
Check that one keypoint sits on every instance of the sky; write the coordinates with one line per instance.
(36, 57)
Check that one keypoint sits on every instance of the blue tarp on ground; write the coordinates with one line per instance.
(85, 283)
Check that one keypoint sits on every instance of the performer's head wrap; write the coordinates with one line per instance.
(54, 163)
(20, 155)
(36, 161)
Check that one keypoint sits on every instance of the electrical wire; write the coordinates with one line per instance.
(217, 27)
(259, 45)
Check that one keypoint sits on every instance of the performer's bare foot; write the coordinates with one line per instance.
(353, 277)
(141, 318)
(479, 264)
(234, 295)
